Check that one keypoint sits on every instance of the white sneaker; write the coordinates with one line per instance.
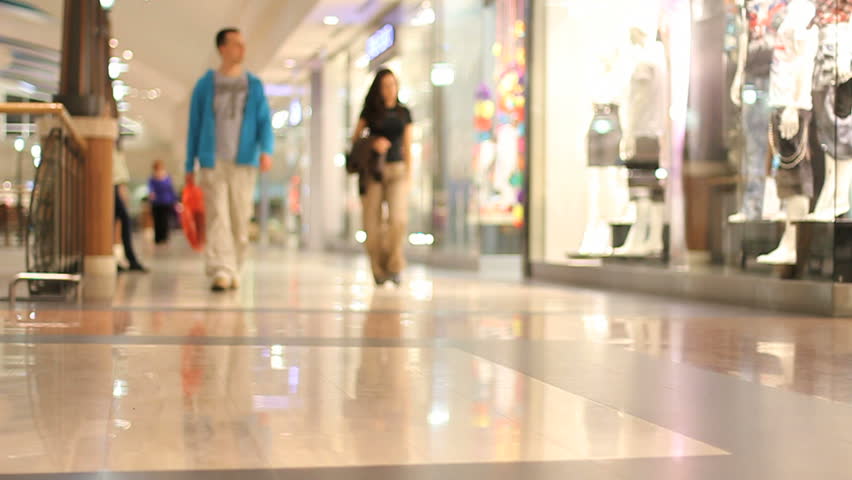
(221, 282)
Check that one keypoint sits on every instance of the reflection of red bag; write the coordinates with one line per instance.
(192, 216)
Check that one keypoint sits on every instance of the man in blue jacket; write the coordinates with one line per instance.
(230, 137)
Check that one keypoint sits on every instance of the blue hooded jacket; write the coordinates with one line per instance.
(256, 133)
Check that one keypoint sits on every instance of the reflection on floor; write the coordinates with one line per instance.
(450, 376)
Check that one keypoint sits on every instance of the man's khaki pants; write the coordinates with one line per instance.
(385, 239)
(229, 204)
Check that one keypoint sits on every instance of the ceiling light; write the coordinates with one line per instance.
(290, 63)
(426, 16)
(107, 4)
(20, 143)
(127, 55)
(119, 90)
(114, 70)
(363, 62)
(331, 20)
(113, 43)
(36, 151)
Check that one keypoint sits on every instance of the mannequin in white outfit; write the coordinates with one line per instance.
(644, 118)
(790, 94)
(834, 68)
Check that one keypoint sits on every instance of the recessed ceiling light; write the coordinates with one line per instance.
(113, 43)
(331, 20)
(127, 55)
(107, 4)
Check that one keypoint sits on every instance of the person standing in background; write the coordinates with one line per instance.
(230, 136)
(161, 194)
(120, 179)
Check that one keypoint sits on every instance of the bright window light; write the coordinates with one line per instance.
(279, 119)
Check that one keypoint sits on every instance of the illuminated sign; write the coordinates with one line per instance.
(380, 42)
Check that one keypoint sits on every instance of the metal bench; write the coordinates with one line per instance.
(44, 277)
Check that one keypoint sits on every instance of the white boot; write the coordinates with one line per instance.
(834, 198)
(597, 239)
(623, 210)
(771, 202)
(636, 244)
(785, 254)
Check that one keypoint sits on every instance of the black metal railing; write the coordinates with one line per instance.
(54, 237)
(54, 221)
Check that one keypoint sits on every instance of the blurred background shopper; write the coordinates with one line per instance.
(388, 124)
(161, 194)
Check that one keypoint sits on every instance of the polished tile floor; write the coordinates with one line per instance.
(309, 372)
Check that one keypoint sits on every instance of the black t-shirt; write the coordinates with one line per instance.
(391, 126)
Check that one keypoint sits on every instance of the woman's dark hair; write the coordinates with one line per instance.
(374, 104)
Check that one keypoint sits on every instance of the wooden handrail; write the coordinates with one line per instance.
(55, 109)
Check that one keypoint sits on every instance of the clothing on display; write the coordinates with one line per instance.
(645, 99)
(832, 74)
(834, 131)
(795, 173)
(753, 166)
(604, 137)
(506, 163)
(764, 18)
(647, 153)
(832, 11)
(795, 52)
(761, 21)
(644, 165)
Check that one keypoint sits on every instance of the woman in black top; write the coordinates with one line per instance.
(389, 124)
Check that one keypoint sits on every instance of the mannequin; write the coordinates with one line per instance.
(643, 120)
(834, 124)
(750, 91)
(608, 194)
(790, 97)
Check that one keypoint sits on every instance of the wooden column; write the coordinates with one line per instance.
(86, 91)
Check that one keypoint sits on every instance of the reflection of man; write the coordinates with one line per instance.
(230, 134)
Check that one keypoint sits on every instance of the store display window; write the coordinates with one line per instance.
(706, 135)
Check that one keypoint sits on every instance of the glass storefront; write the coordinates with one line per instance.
(462, 72)
(279, 202)
(704, 134)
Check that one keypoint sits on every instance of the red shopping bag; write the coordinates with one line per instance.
(192, 216)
